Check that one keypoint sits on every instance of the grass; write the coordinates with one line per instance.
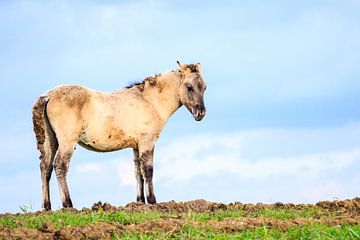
(193, 220)
(63, 218)
(306, 232)
(280, 213)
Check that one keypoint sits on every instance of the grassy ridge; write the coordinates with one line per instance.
(195, 225)
(63, 218)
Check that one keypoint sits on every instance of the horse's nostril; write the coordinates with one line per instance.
(203, 111)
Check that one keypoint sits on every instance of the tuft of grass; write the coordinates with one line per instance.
(27, 208)
(353, 233)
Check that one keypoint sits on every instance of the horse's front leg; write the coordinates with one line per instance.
(146, 167)
(139, 178)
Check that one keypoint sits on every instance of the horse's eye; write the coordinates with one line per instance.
(189, 87)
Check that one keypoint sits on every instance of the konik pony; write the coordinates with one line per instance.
(132, 117)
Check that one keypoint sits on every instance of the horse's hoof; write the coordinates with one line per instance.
(67, 203)
(151, 199)
(140, 199)
(47, 206)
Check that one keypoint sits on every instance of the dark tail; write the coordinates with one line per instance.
(39, 121)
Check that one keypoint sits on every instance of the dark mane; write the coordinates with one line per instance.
(141, 84)
(152, 79)
(134, 83)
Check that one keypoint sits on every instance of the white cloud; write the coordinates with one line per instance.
(190, 157)
(301, 153)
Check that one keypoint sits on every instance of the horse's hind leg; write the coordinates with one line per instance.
(139, 178)
(46, 167)
(61, 165)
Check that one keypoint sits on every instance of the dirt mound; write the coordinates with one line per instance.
(350, 206)
(195, 206)
(238, 224)
(165, 207)
(47, 231)
(341, 206)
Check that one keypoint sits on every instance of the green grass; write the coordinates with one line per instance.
(267, 213)
(306, 232)
(191, 230)
(62, 218)
(283, 213)
(219, 215)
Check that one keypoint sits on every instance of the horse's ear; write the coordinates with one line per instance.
(198, 67)
(182, 67)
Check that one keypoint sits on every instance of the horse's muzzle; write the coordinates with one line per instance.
(199, 112)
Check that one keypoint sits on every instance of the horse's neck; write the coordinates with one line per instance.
(164, 96)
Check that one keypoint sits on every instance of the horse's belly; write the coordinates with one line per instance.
(106, 142)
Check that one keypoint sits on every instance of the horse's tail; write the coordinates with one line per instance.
(40, 122)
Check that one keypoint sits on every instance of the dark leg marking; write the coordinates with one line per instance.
(149, 175)
(146, 162)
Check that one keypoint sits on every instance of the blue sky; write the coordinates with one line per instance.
(283, 121)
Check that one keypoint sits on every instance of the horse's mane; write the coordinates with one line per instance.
(152, 79)
(192, 68)
(134, 83)
(141, 84)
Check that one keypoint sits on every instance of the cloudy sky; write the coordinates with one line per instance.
(283, 120)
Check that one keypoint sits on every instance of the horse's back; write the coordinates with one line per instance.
(81, 114)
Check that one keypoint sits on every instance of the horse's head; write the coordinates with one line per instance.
(192, 89)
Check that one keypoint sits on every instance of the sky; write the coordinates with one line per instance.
(283, 83)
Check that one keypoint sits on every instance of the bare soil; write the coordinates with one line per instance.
(332, 213)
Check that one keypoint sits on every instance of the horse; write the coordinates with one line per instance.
(131, 117)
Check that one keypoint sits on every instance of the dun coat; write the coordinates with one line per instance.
(132, 117)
